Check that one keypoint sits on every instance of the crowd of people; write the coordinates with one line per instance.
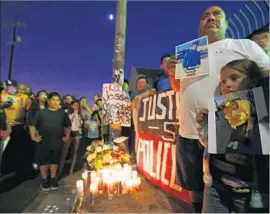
(37, 131)
(50, 124)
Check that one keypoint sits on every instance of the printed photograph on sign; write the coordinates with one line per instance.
(118, 76)
(192, 59)
(241, 123)
(116, 105)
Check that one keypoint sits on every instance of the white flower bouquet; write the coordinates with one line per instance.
(100, 155)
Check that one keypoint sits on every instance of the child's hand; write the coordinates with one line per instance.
(202, 116)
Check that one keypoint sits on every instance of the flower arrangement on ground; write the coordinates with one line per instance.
(100, 154)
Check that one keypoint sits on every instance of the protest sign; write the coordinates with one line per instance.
(155, 144)
(116, 105)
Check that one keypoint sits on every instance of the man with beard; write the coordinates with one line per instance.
(17, 156)
(195, 95)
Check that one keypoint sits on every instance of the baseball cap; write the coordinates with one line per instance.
(11, 83)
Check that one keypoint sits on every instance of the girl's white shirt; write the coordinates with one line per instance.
(76, 122)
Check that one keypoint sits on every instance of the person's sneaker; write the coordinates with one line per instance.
(35, 166)
(45, 185)
(54, 184)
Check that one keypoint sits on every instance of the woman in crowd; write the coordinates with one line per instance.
(76, 131)
(39, 103)
(41, 100)
(86, 112)
(233, 179)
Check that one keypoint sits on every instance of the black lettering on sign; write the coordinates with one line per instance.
(158, 115)
(116, 105)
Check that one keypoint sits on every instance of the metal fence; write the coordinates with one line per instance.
(253, 16)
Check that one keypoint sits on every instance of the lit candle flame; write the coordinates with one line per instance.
(134, 174)
(79, 185)
(138, 181)
(93, 187)
(118, 166)
(93, 174)
(85, 175)
(129, 183)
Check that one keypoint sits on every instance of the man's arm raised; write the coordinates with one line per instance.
(175, 84)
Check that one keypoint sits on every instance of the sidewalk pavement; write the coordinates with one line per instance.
(149, 199)
(21, 195)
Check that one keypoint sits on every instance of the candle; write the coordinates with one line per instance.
(138, 183)
(85, 179)
(119, 188)
(93, 176)
(127, 171)
(85, 175)
(98, 183)
(79, 185)
(110, 183)
(93, 189)
(129, 185)
(104, 173)
(134, 174)
(118, 166)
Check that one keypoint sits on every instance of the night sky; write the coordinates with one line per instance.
(68, 46)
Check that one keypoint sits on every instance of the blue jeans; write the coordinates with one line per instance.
(218, 201)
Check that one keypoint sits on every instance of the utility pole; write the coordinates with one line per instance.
(119, 54)
(120, 37)
(15, 39)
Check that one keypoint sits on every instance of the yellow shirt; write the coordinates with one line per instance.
(16, 113)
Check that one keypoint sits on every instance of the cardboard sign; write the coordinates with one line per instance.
(116, 105)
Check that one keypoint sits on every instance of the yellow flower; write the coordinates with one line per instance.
(99, 149)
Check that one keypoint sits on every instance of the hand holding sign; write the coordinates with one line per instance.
(201, 116)
(172, 65)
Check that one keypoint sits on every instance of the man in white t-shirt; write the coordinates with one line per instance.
(195, 93)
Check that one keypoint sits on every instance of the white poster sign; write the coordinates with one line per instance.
(116, 105)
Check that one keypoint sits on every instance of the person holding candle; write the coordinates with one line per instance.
(50, 128)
